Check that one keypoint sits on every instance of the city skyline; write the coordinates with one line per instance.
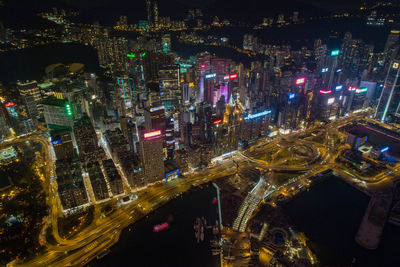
(213, 133)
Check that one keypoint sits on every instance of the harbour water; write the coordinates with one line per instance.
(329, 214)
(176, 246)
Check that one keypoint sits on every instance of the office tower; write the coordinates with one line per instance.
(58, 113)
(4, 126)
(391, 47)
(281, 19)
(156, 15)
(149, 15)
(126, 97)
(166, 43)
(359, 99)
(123, 22)
(154, 119)
(12, 116)
(151, 152)
(295, 17)
(203, 67)
(388, 104)
(170, 139)
(62, 144)
(30, 105)
(170, 88)
(128, 127)
(326, 105)
(29, 88)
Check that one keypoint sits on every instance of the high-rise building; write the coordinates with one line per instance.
(149, 13)
(170, 88)
(154, 119)
(155, 15)
(58, 113)
(31, 107)
(166, 43)
(388, 104)
(391, 47)
(62, 144)
(4, 127)
(29, 88)
(152, 156)
(126, 97)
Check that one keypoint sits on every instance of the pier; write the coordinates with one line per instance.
(374, 220)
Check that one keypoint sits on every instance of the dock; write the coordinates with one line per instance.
(374, 220)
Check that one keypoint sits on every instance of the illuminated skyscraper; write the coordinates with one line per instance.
(166, 43)
(58, 113)
(170, 88)
(391, 47)
(62, 144)
(126, 96)
(388, 105)
(151, 152)
(149, 15)
(155, 118)
(155, 14)
(29, 88)
(4, 127)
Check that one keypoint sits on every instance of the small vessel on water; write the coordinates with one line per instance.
(199, 229)
(103, 254)
(160, 227)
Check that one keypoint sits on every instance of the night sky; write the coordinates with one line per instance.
(107, 11)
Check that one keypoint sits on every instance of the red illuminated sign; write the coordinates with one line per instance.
(300, 80)
(9, 104)
(233, 76)
(352, 88)
(217, 122)
(325, 92)
(160, 227)
(202, 66)
(152, 134)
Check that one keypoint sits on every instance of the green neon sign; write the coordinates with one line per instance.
(143, 54)
(130, 55)
(334, 53)
(69, 110)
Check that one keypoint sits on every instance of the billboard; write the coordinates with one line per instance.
(153, 134)
(157, 108)
(172, 175)
(325, 92)
(257, 115)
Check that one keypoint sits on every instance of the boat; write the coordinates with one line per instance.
(103, 254)
(199, 229)
(216, 251)
(160, 227)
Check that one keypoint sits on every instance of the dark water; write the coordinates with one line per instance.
(30, 63)
(329, 215)
(175, 246)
